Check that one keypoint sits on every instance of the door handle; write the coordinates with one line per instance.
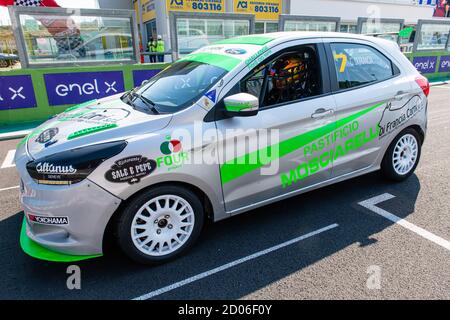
(400, 95)
(321, 112)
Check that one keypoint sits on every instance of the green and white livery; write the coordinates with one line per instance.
(231, 127)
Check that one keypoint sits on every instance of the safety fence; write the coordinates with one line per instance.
(33, 95)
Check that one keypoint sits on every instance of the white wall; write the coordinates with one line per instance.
(350, 10)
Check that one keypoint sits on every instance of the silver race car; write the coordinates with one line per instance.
(231, 127)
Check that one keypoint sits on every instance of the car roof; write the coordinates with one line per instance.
(283, 36)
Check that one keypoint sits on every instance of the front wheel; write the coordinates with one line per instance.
(160, 224)
(402, 156)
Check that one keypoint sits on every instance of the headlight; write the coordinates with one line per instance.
(74, 165)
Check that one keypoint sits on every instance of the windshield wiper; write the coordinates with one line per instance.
(132, 95)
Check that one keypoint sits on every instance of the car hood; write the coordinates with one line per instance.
(96, 121)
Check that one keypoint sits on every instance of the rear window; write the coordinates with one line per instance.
(358, 65)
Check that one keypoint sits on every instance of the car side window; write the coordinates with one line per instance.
(290, 76)
(358, 64)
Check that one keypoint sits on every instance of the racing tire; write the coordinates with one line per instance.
(402, 156)
(160, 224)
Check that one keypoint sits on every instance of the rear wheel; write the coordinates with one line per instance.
(160, 224)
(402, 156)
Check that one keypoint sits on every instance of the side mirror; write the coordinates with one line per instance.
(241, 105)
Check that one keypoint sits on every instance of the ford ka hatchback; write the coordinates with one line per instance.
(231, 127)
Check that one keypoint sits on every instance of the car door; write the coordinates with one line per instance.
(270, 155)
(367, 86)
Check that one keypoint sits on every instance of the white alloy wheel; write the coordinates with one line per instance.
(162, 225)
(405, 154)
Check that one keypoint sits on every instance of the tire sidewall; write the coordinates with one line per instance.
(129, 212)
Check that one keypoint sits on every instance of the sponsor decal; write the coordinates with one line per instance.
(16, 92)
(131, 169)
(325, 159)
(395, 116)
(173, 157)
(48, 220)
(47, 135)
(50, 168)
(86, 131)
(78, 87)
(95, 115)
(235, 51)
(139, 76)
(258, 57)
(425, 64)
(444, 64)
(242, 165)
(211, 95)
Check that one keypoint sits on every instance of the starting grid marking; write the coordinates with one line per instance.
(233, 264)
(371, 205)
(8, 162)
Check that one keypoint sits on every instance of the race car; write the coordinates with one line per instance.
(231, 127)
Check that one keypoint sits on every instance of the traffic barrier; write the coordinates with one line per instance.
(33, 95)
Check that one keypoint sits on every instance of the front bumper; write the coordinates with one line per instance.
(35, 250)
(86, 207)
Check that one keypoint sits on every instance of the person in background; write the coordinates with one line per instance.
(160, 48)
(441, 9)
(152, 48)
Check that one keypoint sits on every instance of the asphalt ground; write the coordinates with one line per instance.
(323, 244)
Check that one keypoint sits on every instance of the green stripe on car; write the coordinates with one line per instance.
(218, 60)
(237, 167)
(37, 251)
(257, 40)
(87, 131)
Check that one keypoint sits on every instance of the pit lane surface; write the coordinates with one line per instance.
(339, 263)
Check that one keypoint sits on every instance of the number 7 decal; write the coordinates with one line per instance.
(344, 61)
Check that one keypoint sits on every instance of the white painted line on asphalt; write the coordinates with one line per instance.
(4, 189)
(233, 263)
(9, 160)
(371, 205)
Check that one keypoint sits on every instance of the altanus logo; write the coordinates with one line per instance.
(45, 167)
(173, 157)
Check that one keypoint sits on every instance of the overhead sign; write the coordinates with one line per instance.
(262, 9)
(148, 10)
(78, 87)
(16, 92)
(215, 6)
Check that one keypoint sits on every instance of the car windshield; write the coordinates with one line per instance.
(179, 85)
